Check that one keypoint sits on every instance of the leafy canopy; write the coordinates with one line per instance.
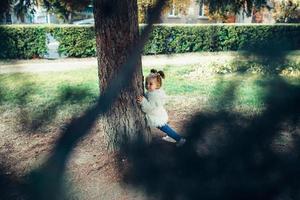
(64, 6)
(61, 7)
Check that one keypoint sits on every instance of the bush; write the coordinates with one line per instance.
(75, 41)
(22, 42)
(79, 41)
(187, 38)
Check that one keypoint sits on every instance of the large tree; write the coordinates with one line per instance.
(117, 31)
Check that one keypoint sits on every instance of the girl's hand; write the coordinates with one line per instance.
(139, 99)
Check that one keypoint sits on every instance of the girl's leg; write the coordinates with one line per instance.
(170, 132)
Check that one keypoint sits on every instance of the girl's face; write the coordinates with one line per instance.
(151, 85)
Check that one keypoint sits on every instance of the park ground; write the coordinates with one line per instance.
(39, 97)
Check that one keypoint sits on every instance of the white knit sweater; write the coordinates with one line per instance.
(153, 106)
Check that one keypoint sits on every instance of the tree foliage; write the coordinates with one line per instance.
(62, 8)
(233, 6)
(21, 7)
(217, 8)
(65, 8)
(287, 11)
(144, 6)
(220, 16)
(58, 8)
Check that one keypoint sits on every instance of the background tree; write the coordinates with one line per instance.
(220, 16)
(180, 6)
(217, 10)
(287, 11)
(143, 7)
(23, 8)
(65, 9)
(221, 7)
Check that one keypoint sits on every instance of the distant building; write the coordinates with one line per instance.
(196, 13)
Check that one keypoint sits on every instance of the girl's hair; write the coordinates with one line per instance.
(158, 75)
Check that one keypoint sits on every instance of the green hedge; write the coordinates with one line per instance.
(180, 39)
(22, 42)
(79, 41)
(75, 41)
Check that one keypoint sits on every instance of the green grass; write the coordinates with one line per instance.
(38, 99)
(240, 92)
(43, 98)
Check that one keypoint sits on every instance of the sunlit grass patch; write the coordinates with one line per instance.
(242, 92)
(44, 98)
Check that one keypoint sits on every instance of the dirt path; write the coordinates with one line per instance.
(44, 65)
(201, 58)
(92, 173)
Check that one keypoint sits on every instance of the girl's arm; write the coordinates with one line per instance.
(148, 106)
(155, 100)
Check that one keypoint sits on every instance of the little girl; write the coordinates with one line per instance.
(153, 106)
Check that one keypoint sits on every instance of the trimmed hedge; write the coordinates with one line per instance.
(75, 41)
(165, 39)
(22, 42)
(180, 39)
(79, 41)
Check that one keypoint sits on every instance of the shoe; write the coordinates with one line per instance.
(181, 142)
(168, 139)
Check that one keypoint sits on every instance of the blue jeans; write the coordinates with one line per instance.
(170, 132)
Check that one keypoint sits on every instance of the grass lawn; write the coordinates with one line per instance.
(230, 147)
(39, 99)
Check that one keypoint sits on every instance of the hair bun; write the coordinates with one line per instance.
(162, 74)
(153, 71)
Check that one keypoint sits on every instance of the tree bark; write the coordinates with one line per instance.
(116, 26)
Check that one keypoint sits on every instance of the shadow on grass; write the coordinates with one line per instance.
(10, 186)
(35, 111)
(227, 156)
(268, 56)
(264, 62)
(66, 95)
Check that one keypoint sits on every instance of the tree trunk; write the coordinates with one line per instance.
(116, 26)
